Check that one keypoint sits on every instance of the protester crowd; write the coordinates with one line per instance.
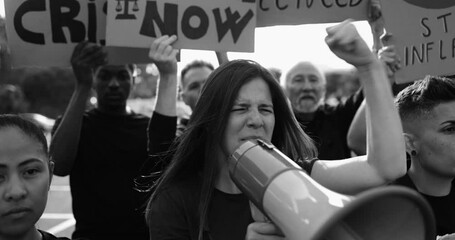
(162, 177)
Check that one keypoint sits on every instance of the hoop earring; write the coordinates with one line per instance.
(413, 153)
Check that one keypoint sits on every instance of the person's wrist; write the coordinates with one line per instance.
(167, 80)
(372, 64)
(168, 74)
(167, 71)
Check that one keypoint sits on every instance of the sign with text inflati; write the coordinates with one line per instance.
(219, 25)
(44, 32)
(294, 12)
(424, 39)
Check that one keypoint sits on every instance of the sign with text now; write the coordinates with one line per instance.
(218, 25)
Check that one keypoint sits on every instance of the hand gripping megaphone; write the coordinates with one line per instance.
(305, 210)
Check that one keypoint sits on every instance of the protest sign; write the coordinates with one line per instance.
(294, 12)
(199, 24)
(424, 38)
(44, 32)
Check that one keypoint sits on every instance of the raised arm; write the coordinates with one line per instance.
(357, 136)
(65, 141)
(385, 159)
(161, 131)
(163, 55)
(162, 125)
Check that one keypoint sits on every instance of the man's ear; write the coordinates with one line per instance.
(410, 142)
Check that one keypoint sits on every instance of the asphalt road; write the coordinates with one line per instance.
(58, 217)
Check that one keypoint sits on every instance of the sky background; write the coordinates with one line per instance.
(281, 46)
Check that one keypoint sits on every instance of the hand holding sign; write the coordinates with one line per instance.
(85, 58)
(164, 55)
(345, 42)
(374, 11)
(376, 21)
(390, 59)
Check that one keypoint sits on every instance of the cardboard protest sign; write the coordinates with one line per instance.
(424, 38)
(294, 12)
(44, 32)
(199, 24)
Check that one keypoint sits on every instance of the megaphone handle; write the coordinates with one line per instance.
(258, 216)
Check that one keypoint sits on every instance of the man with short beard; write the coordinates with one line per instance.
(305, 86)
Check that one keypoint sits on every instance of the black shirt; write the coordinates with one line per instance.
(111, 151)
(174, 213)
(443, 207)
(330, 127)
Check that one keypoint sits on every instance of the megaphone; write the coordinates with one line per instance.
(305, 210)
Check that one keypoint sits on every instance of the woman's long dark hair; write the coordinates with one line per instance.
(195, 154)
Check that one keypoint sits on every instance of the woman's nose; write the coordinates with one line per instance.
(255, 119)
(15, 189)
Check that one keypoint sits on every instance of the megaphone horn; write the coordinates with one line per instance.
(305, 210)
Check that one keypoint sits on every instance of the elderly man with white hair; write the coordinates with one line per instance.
(327, 125)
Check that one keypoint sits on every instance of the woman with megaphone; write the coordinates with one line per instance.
(196, 198)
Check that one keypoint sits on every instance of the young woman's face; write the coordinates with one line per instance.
(436, 140)
(24, 181)
(251, 117)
